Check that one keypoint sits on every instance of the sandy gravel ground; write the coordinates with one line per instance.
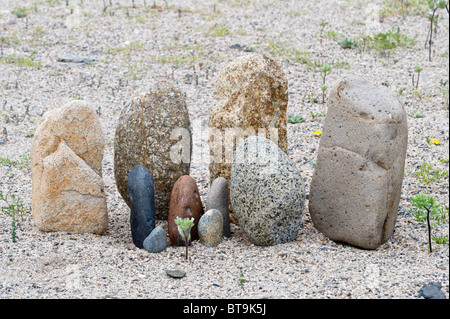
(190, 41)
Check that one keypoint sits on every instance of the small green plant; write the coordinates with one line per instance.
(14, 208)
(384, 42)
(426, 174)
(242, 279)
(3, 41)
(347, 43)
(315, 115)
(440, 240)
(20, 12)
(30, 133)
(218, 31)
(433, 16)
(432, 141)
(22, 164)
(416, 114)
(322, 24)
(325, 70)
(417, 70)
(431, 211)
(184, 229)
(21, 61)
(403, 7)
(294, 119)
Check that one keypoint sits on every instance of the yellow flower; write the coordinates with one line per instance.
(318, 133)
(435, 141)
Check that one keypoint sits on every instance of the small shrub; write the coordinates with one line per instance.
(14, 208)
(430, 211)
(347, 43)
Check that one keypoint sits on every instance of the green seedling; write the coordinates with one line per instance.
(14, 208)
(416, 114)
(293, 119)
(433, 16)
(417, 70)
(323, 88)
(325, 70)
(315, 115)
(428, 175)
(347, 43)
(431, 211)
(184, 229)
(242, 280)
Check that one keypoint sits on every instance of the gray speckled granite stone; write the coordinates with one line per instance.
(210, 228)
(218, 198)
(145, 134)
(267, 192)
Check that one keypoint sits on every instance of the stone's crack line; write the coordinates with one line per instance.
(382, 165)
(78, 192)
(366, 117)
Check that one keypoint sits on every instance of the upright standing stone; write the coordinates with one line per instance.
(66, 169)
(185, 202)
(356, 186)
(250, 98)
(154, 131)
(142, 199)
(218, 198)
(267, 192)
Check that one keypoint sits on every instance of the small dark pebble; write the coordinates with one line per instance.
(176, 273)
(432, 291)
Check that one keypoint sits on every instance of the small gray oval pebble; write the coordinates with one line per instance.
(156, 241)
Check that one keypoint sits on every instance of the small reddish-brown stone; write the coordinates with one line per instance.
(185, 202)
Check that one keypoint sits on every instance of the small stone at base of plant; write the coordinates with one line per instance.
(156, 241)
(177, 273)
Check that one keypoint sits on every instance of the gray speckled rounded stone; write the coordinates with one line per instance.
(156, 241)
(210, 228)
(356, 187)
(146, 133)
(218, 198)
(267, 192)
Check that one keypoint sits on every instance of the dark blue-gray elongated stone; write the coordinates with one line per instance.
(142, 199)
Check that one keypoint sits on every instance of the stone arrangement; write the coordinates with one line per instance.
(144, 136)
(354, 193)
(356, 186)
(267, 192)
(66, 168)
